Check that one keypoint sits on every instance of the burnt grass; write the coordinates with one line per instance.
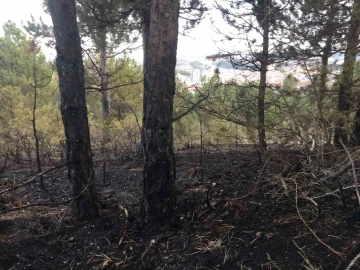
(234, 211)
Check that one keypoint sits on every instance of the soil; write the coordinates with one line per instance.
(235, 210)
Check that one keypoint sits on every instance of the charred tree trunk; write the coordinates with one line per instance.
(36, 137)
(346, 82)
(73, 108)
(160, 44)
(263, 72)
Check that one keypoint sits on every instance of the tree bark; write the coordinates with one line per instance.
(73, 108)
(346, 82)
(263, 72)
(160, 27)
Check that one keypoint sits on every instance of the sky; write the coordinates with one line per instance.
(198, 43)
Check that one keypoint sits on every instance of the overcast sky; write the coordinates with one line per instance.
(198, 43)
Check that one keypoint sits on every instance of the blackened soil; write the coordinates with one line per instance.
(234, 211)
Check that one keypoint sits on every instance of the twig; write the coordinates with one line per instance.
(314, 234)
(4, 164)
(72, 200)
(357, 257)
(332, 192)
(343, 198)
(337, 175)
(32, 179)
(208, 196)
(317, 207)
(303, 255)
(192, 107)
(34, 205)
(123, 226)
(148, 248)
(104, 173)
(353, 170)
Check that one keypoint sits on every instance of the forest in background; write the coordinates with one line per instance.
(218, 115)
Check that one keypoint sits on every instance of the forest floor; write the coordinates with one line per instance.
(235, 211)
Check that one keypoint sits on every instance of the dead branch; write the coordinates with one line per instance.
(357, 257)
(332, 192)
(4, 164)
(124, 224)
(192, 107)
(97, 89)
(313, 233)
(317, 207)
(34, 205)
(32, 179)
(73, 199)
(352, 170)
(208, 193)
(338, 174)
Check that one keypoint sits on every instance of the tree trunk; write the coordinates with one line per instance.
(263, 72)
(346, 82)
(160, 44)
(324, 68)
(105, 94)
(106, 101)
(73, 108)
(323, 87)
(145, 25)
(356, 129)
(36, 137)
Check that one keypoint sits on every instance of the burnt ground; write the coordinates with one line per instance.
(285, 211)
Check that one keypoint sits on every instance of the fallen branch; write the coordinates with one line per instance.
(34, 205)
(317, 207)
(331, 193)
(313, 233)
(32, 179)
(73, 199)
(353, 170)
(352, 263)
(338, 174)
(123, 226)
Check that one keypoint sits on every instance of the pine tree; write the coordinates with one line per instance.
(160, 28)
(73, 108)
(108, 23)
(261, 18)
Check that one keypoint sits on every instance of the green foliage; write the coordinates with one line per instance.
(217, 113)
(126, 106)
(289, 84)
(16, 65)
(22, 65)
(106, 22)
